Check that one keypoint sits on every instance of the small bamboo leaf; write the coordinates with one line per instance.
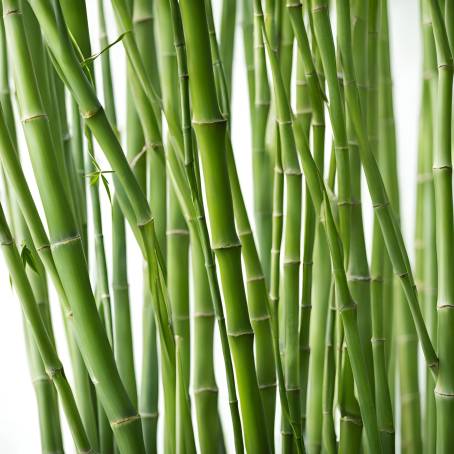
(27, 258)
(95, 56)
(106, 186)
(94, 178)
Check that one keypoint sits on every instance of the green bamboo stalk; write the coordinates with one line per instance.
(328, 431)
(405, 332)
(247, 25)
(442, 169)
(381, 309)
(76, 17)
(358, 270)
(210, 129)
(425, 235)
(153, 161)
(192, 174)
(320, 297)
(53, 366)
(204, 381)
(66, 245)
(303, 114)
(149, 387)
(256, 288)
(177, 230)
(261, 166)
(153, 158)
(122, 334)
(227, 39)
(317, 327)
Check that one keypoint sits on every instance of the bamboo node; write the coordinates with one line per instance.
(124, 421)
(240, 333)
(445, 306)
(206, 389)
(259, 277)
(357, 277)
(291, 261)
(214, 122)
(41, 379)
(150, 220)
(352, 420)
(378, 206)
(267, 385)
(91, 113)
(442, 167)
(283, 122)
(378, 340)
(245, 232)
(140, 19)
(66, 241)
(341, 147)
(183, 232)
(348, 307)
(293, 389)
(7, 243)
(203, 314)
(226, 246)
(260, 318)
(296, 5)
(319, 9)
(12, 12)
(53, 371)
(40, 116)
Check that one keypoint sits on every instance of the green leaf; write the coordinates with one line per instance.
(94, 178)
(27, 258)
(95, 56)
(106, 186)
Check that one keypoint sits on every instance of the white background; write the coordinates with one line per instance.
(19, 432)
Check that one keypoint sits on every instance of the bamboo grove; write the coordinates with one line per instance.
(321, 339)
